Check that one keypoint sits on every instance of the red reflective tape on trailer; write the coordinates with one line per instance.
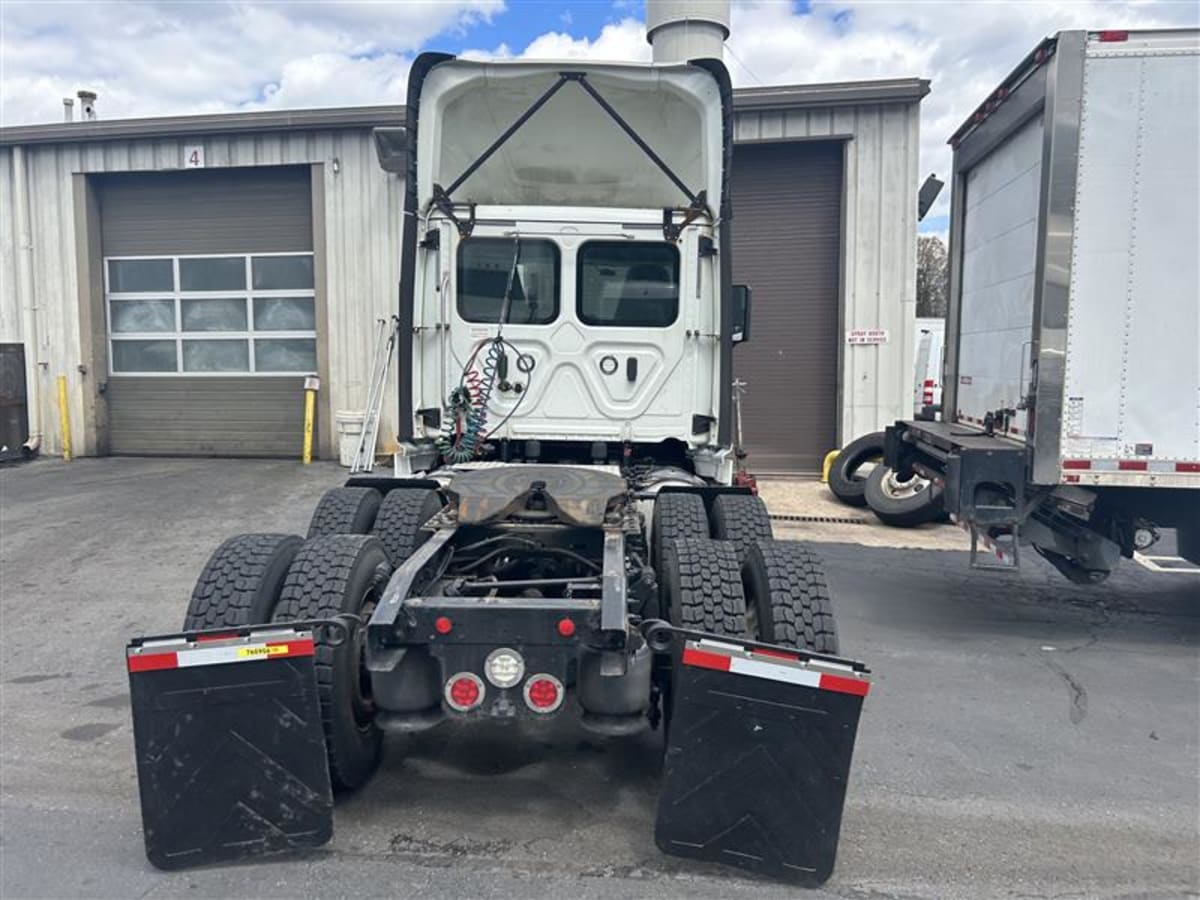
(299, 647)
(705, 660)
(227, 636)
(1077, 464)
(1109, 37)
(1187, 467)
(778, 654)
(152, 662)
(1132, 465)
(855, 686)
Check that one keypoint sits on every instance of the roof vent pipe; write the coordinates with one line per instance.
(68, 109)
(679, 30)
(87, 105)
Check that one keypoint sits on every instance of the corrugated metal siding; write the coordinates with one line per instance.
(363, 211)
(787, 231)
(206, 416)
(879, 264)
(363, 214)
(263, 210)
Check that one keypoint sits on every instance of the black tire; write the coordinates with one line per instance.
(703, 586)
(332, 575)
(345, 510)
(241, 582)
(903, 510)
(742, 519)
(844, 481)
(788, 597)
(399, 520)
(676, 515)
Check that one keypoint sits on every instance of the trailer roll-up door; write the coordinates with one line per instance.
(210, 310)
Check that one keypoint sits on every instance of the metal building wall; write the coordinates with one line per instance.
(361, 225)
(879, 268)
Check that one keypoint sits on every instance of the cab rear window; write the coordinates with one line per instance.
(485, 266)
(628, 284)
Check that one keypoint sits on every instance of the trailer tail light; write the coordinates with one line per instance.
(543, 693)
(1112, 37)
(566, 627)
(464, 691)
(443, 625)
(504, 667)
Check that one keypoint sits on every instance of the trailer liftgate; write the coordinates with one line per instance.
(231, 757)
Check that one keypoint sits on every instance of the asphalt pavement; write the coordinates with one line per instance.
(1025, 737)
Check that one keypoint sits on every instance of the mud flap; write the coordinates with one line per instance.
(758, 754)
(230, 750)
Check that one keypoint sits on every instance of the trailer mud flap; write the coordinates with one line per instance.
(230, 750)
(758, 753)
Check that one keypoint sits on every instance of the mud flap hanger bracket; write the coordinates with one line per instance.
(443, 198)
(662, 637)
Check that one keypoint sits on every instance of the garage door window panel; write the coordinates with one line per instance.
(143, 316)
(225, 355)
(219, 273)
(214, 314)
(141, 276)
(285, 314)
(144, 356)
(222, 315)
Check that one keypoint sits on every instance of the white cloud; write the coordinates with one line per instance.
(174, 58)
(178, 57)
(964, 48)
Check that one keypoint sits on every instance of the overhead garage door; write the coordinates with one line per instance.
(210, 308)
(787, 247)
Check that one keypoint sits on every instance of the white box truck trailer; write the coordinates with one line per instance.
(1072, 377)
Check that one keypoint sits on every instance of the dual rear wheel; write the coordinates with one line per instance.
(740, 581)
(355, 540)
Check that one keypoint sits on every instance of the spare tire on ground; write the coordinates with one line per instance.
(902, 503)
(845, 480)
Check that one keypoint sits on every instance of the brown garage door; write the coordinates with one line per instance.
(211, 306)
(787, 247)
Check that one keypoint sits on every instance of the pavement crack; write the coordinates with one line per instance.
(1079, 697)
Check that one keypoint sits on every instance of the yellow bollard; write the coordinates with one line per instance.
(828, 464)
(64, 417)
(310, 408)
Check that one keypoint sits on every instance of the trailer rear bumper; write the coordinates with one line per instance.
(984, 475)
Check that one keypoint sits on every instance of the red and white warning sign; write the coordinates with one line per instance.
(861, 336)
(776, 666)
(180, 653)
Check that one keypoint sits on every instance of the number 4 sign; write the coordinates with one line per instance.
(193, 157)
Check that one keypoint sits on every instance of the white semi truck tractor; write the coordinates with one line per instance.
(1071, 400)
(565, 535)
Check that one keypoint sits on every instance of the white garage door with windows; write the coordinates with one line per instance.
(211, 311)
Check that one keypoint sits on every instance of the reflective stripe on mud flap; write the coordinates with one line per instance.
(776, 666)
(180, 653)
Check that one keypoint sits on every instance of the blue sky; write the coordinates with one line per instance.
(166, 57)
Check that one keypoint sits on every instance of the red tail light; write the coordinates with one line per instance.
(464, 691)
(543, 693)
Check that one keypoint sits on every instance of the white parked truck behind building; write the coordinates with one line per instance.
(1072, 376)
